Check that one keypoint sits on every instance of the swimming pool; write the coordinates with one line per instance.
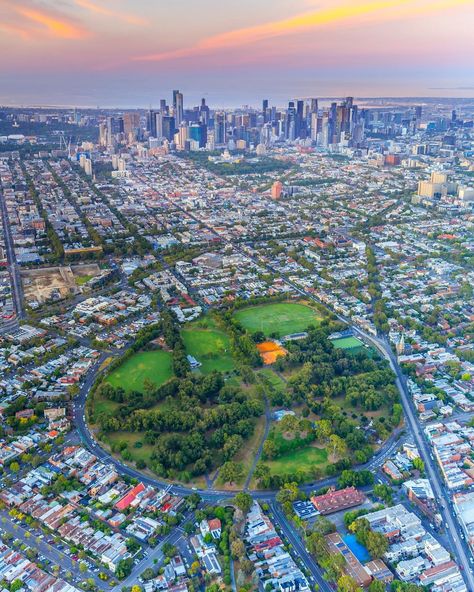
(359, 550)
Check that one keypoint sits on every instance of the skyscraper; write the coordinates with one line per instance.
(291, 121)
(219, 128)
(131, 126)
(300, 126)
(198, 132)
(151, 123)
(204, 112)
(168, 127)
(178, 107)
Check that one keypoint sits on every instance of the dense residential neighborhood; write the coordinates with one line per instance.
(237, 354)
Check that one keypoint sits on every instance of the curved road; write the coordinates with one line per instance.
(458, 547)
(207, 494)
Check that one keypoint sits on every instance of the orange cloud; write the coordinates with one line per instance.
(301, 23)
(96, 8)
(9, 28)
(55, 26)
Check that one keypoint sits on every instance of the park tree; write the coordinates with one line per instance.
(337, 446)
(230, 472)
(323, 430)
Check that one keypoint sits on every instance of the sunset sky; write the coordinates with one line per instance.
(128, 53)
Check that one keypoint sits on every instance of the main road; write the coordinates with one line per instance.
(13, 268)
(412, 422)
(211, 495)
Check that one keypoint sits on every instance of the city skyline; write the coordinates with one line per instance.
(86, 51)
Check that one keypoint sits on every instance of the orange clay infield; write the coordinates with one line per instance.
(270, 351)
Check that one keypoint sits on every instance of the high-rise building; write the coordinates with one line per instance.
(220, 128)
(103, 134)
(315, 126)
(178, 107)
(168, 127)
(198, 132)
(151, 123)
(265, 110)
(131, 126)
(181, 136)
(300, 125)
(291, 121)
(159, 125)
(277, 190)
(204, 112)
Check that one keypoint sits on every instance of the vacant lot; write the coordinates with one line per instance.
(48, 283)
(281, 318)
(209, 345)
(154, 365)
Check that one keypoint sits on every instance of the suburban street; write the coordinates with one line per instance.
(38, 540)
(293, 537)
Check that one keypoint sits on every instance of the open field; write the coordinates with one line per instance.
(281, 318)
(142, 452)
(298, 460)
(154, 365)
(209, 345)
(276, 382)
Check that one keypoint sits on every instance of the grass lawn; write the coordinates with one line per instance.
(276, 382)
(246, 455)
(298, 460)
(83, 279)
(209, 345)
(104, 406)
(280, 317)
(142, 453)
(347, 343)
(154, 365)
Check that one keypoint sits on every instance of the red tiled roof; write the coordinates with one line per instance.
(128, 499)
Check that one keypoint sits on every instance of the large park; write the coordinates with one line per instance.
(201, 404)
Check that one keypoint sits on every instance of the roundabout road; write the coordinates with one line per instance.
(210, 495)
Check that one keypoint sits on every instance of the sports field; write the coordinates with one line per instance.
(347, 343)
(154, 365)
(282, 318)
(270, 351)
(209, 345)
